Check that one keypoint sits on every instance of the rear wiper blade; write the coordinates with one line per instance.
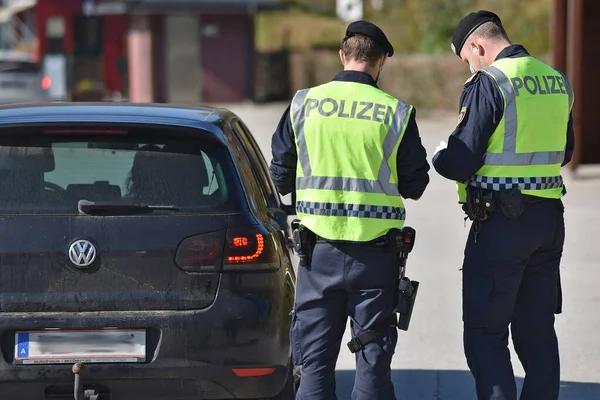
(91, 207)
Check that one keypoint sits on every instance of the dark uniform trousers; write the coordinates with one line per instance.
(345, 280)
(511, 277)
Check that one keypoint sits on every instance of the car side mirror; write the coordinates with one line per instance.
(288, 203)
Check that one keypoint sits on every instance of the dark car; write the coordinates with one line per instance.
(148, 243)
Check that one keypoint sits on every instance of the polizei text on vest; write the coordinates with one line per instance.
(366, 110)
(540, 84)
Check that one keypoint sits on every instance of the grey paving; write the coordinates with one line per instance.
(429, 362)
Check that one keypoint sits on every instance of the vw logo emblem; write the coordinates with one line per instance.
(82, 253)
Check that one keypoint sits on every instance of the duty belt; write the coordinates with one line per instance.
(377, 242)
(482, 203)
(527, 198)
(533, 199)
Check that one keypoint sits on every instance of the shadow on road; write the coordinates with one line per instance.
(451, 385)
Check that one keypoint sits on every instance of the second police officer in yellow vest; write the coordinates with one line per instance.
(514, 133)
(350, 152)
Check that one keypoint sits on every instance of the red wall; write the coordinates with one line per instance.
(51, 8)
(115, 30)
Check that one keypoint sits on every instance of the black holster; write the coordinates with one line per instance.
(510, 203)
(480, 204)
(401, 242)
(304, 242)
(407, 295)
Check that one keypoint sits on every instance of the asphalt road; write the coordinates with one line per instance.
(429, 361)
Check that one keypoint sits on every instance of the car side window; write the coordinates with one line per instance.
(262, 164)
(258, 163)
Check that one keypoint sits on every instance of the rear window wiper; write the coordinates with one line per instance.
(100, 207)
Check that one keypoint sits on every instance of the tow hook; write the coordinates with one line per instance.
(78, 392)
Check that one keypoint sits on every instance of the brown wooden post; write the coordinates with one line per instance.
(559, 35)
(575, 72)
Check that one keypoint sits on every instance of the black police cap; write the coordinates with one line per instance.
(468, 25)
(370, 30)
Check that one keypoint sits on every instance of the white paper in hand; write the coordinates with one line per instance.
(441, 146)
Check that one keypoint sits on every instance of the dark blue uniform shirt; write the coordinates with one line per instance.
(485, 107)
(412, 165)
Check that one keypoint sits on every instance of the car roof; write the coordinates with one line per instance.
(203, 117)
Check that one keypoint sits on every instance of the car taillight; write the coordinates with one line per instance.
(46, 82)
(250, 248)
(245, 249)
(239, 249)
(202, 253)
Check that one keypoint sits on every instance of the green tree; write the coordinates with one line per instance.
(413, 26)
(427, 26)
(526, 22)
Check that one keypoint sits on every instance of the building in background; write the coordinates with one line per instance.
(200, 50)
(181, 51)
(576, 37)
(17, 26)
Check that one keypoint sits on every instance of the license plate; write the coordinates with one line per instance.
(90, 346)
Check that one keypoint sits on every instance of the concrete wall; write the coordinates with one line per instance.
(183, 58)
(139, 45)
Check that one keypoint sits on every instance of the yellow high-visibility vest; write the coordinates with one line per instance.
(347, 138)
(527, 148)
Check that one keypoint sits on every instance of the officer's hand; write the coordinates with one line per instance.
(441, 146)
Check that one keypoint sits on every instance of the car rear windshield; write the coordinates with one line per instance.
(49, 172)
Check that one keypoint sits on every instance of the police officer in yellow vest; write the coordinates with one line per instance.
(514, 133)
(350, 152)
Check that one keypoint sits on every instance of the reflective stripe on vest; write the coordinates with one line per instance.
(490, 183)
(381, 185)
(351, 210)
(509, 155)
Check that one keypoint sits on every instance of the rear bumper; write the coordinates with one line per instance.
(148, 383)
(190, 354)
